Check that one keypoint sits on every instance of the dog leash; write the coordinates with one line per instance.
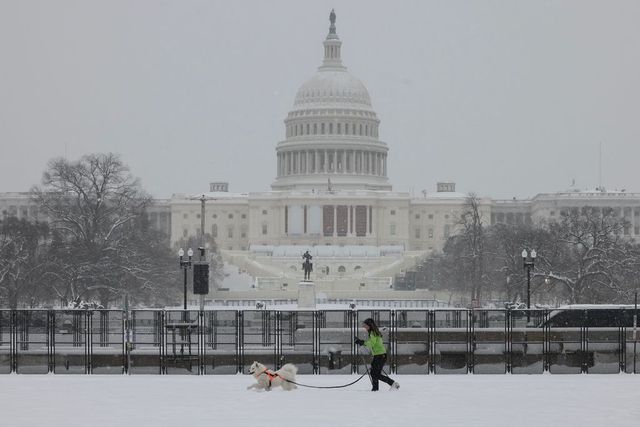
(327, 386)
(337, 386)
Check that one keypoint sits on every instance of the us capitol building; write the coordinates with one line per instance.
(332, 196)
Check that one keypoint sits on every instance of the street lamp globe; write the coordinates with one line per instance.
(533, 254)
(190, 252)
(524, 253)
(181, 253)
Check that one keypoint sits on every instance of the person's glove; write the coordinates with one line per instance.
(358, 341)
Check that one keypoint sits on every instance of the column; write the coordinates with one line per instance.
(307, 162)
(279, 164)
(349, 221)
(325, 160)
(385, 165)
(344, 161)
(335, 220)
(353, 161)
(316, 161)
(335, 161)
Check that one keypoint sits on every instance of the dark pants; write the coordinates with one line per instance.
(376, 371)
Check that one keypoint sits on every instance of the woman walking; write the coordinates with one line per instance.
(379, 352)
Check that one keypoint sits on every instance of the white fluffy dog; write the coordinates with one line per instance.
(267, 379)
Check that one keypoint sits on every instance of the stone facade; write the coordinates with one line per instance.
(331, 189)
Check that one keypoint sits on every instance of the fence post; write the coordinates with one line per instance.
(508, 342)
(470, 340)
(240, 339)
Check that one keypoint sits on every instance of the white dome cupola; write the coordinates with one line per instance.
(332, 131)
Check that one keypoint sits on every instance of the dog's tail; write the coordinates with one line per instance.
(290, 368)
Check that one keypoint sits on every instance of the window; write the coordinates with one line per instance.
(393, 212)
(243, 233)
(230, 232)
(214, 230)
(198, 216)
(185, 215)
(264, 229)
(446, 231)
(214, 216)
(392, 229)
(315, 128)
(446, 217)
(339, 128)
(185, 233)
(430, 216)
(417, 233)
(431, 233)
(417, 216)
(230, 216)
(552, 213)
(636, 230)
(243, 216)
(331, 128)
(322, 128)
(264, 212)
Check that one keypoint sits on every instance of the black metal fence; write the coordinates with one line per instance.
(438, 341)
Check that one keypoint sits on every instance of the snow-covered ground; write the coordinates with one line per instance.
(433, 400)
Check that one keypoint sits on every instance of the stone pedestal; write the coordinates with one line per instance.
(306, 295)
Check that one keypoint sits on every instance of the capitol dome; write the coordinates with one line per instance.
(331, 136)
(332, 87)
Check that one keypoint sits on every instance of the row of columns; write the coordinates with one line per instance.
(353, 221)
(332, 161)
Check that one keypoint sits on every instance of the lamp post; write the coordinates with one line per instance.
(528, 261)
(185, 265)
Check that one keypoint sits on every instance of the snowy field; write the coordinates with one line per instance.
(465, 400)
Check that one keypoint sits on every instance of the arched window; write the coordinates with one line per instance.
(360, 129)
(315, 128)
(322, 128)
(339, 128)
(346, 128)
(307, 129)
(330, 128)
(342, 269)
(353, 129)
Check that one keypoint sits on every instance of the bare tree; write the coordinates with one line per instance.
(472, 234)
(592, 256)
(96, 210)
(22, 261)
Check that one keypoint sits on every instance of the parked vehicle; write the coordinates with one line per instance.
(592, 316)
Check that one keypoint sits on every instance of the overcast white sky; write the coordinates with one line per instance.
(506, 98)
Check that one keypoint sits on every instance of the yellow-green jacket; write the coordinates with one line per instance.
(375, 344)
